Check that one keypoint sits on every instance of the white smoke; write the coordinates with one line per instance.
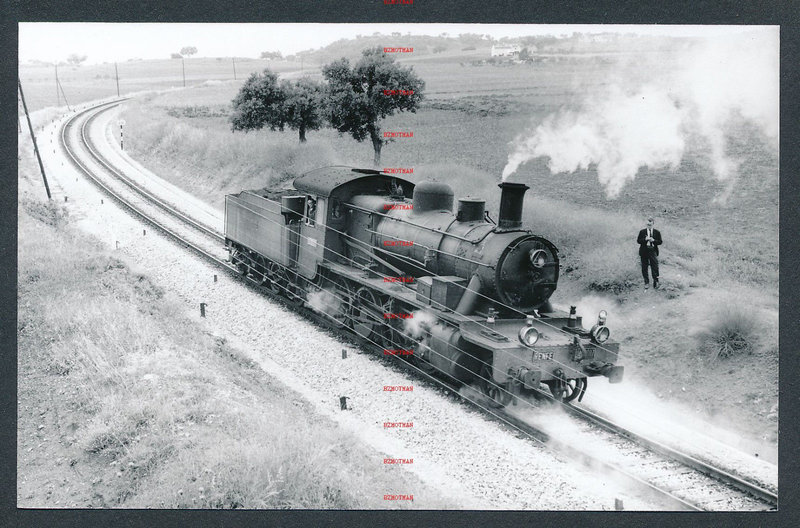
(324, 301)
(621, 133)
(419, 324)
(634, 125)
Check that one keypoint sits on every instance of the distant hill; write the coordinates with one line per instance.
(472, 44)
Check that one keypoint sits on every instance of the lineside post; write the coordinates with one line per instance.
(33, 138)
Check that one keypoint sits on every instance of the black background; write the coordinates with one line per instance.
(783, 13)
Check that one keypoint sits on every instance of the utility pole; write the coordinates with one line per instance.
(116, 75)
(233, 60)
(183, 69)
(58, 99)
(33, 138)
(63, 94)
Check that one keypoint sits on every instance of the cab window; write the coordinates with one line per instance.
(311, 211)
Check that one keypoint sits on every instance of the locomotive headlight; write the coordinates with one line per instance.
(600, 333)
(528, 335)
(601, 317)
(538, 258)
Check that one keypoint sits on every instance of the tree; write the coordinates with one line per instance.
(263, 102)
(76, 59)
(258, 103)
(525, 55)
(374, 88)
(176, 56)
(188, 51)
(302, 107)
(269, 55)
(471, 39)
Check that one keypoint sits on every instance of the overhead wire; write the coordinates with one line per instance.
(480, 323)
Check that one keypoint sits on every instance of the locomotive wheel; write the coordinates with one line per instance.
(566, 391)
(343, 313)
(420, 353)
(295, 291)
(239, 259)
(259, 271)
(367, 314)
(392, 330)
(278, 281)
(498, 396)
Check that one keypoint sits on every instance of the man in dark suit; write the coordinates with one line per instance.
(649, 239)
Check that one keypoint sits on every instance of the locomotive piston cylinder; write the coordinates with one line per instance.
(451, 354)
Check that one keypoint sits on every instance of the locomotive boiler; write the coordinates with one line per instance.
(440, 283)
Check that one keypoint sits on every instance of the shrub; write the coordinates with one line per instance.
(731, 333)
(48, 212)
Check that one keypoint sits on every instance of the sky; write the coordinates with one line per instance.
(103, 42)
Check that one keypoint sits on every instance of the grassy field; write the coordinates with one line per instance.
(89, 82)
(125, 401)
(715, 255)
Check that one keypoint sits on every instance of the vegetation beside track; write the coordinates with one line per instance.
(126, 401)
(714, 256)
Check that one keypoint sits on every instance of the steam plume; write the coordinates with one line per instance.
(630, 126)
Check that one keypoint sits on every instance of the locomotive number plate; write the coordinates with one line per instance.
(543, 355)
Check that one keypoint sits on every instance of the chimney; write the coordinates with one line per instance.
(511, 198)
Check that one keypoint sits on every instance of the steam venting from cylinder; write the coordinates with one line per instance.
(511, 198)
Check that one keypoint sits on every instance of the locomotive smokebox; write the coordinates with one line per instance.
(511, 205)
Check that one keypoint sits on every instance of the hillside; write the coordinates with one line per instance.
(719, 261)
(126, 401)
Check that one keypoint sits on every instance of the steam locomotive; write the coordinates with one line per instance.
(456, 293)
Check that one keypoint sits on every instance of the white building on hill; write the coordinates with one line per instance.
(506, 51)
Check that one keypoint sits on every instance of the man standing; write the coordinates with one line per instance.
(649, 239)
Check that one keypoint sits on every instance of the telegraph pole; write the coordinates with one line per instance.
(233, 60)
(116, 76)
(33, 137)
(58, 99)
(183, 69)
(63, 95)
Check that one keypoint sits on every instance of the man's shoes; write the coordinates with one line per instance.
(655, 284)
(646, 286)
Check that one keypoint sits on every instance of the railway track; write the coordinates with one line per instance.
(680, 480)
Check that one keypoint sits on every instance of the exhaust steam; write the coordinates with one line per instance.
(626, 128)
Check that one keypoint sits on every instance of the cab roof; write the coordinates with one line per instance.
(324, 181)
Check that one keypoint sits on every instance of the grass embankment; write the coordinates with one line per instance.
(718, 263)
(125, 401)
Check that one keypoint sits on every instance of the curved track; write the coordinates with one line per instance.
(206, 243)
